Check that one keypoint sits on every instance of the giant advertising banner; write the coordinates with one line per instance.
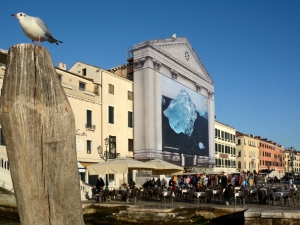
(184, 121)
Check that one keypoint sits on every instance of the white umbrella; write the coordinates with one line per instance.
(163, 167)
(118, 166)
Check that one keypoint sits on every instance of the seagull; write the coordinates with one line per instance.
(35, 28)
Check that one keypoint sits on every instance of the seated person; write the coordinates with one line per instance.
(228, 194)
(95, 192)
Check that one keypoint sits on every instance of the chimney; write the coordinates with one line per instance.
(62, 66)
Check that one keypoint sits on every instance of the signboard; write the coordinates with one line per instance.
(79, 145)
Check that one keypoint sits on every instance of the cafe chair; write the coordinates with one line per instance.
(243, 197)
(289, 197)
(297, 196)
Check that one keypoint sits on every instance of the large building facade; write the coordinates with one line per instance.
(271, 155)
(247, 158)
(225, 149)
(173, 104)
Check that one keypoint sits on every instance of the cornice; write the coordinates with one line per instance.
(149, 44)
(83, 99)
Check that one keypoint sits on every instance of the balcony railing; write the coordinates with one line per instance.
(90, 126)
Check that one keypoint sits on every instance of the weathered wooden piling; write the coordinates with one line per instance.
(39, 130)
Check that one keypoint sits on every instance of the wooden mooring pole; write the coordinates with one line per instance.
(39, 130)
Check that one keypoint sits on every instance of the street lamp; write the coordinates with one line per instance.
(107, 155)
(268, 165)
(292, 160)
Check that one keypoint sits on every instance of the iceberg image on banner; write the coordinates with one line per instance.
(182, 113)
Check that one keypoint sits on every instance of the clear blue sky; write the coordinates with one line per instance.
(251, 49)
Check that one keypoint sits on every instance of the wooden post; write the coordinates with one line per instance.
(39, 130)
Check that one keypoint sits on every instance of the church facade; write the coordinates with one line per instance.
(173, 104)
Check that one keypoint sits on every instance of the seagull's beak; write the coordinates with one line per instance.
(15, 15)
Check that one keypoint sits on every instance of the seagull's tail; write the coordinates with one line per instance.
(57, 41)
(52, 40)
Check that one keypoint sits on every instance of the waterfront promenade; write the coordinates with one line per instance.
(185, 209)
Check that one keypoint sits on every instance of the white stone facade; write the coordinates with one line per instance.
(175, 60)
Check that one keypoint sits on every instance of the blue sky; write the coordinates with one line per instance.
(251, 49)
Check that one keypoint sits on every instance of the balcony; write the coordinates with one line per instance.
(90, 126)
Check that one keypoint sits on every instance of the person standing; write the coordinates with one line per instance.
(255, 179)
(163, 182)
(158, 183)
(131, 183)
(174, 180)
(100, 184)
(224, 181)
(212, 181)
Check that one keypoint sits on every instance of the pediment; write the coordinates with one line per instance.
(181, 50)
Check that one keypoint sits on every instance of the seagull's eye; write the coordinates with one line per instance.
(21, 14)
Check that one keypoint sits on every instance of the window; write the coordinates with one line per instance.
(113, 144)
(89, 124)
(84, 72)
(111, 176)
(130, 145)
(130, 95)
(111, 115)
(2, 141)
(88, 147)
(130, 119)
(81, 86)
(111, 89)
(239, 165)
(239, 141)
(216, 148)
(222, 148)
(59, 77)
(239, 153)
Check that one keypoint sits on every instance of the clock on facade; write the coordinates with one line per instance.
(186, 55)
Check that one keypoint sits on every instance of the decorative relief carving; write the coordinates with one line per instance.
(209, 94)
(174, 74)
(156, 64)
(198, 87)
(139, 63)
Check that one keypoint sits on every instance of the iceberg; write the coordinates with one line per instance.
(182, 114)
(201, 145)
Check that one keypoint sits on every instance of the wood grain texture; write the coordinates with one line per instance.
(39, 130)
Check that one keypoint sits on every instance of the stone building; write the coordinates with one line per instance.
(247, 148)
(173, 104)
(225, 148)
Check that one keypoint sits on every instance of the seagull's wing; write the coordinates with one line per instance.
(42, 25)
(48, 34)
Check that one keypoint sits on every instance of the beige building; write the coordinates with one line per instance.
(291, 162)
(247, 148)
(114, 114)
(102, 104)
(225, 148)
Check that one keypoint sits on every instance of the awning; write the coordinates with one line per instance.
(80, 167)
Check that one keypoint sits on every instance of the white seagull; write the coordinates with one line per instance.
(35, 28)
